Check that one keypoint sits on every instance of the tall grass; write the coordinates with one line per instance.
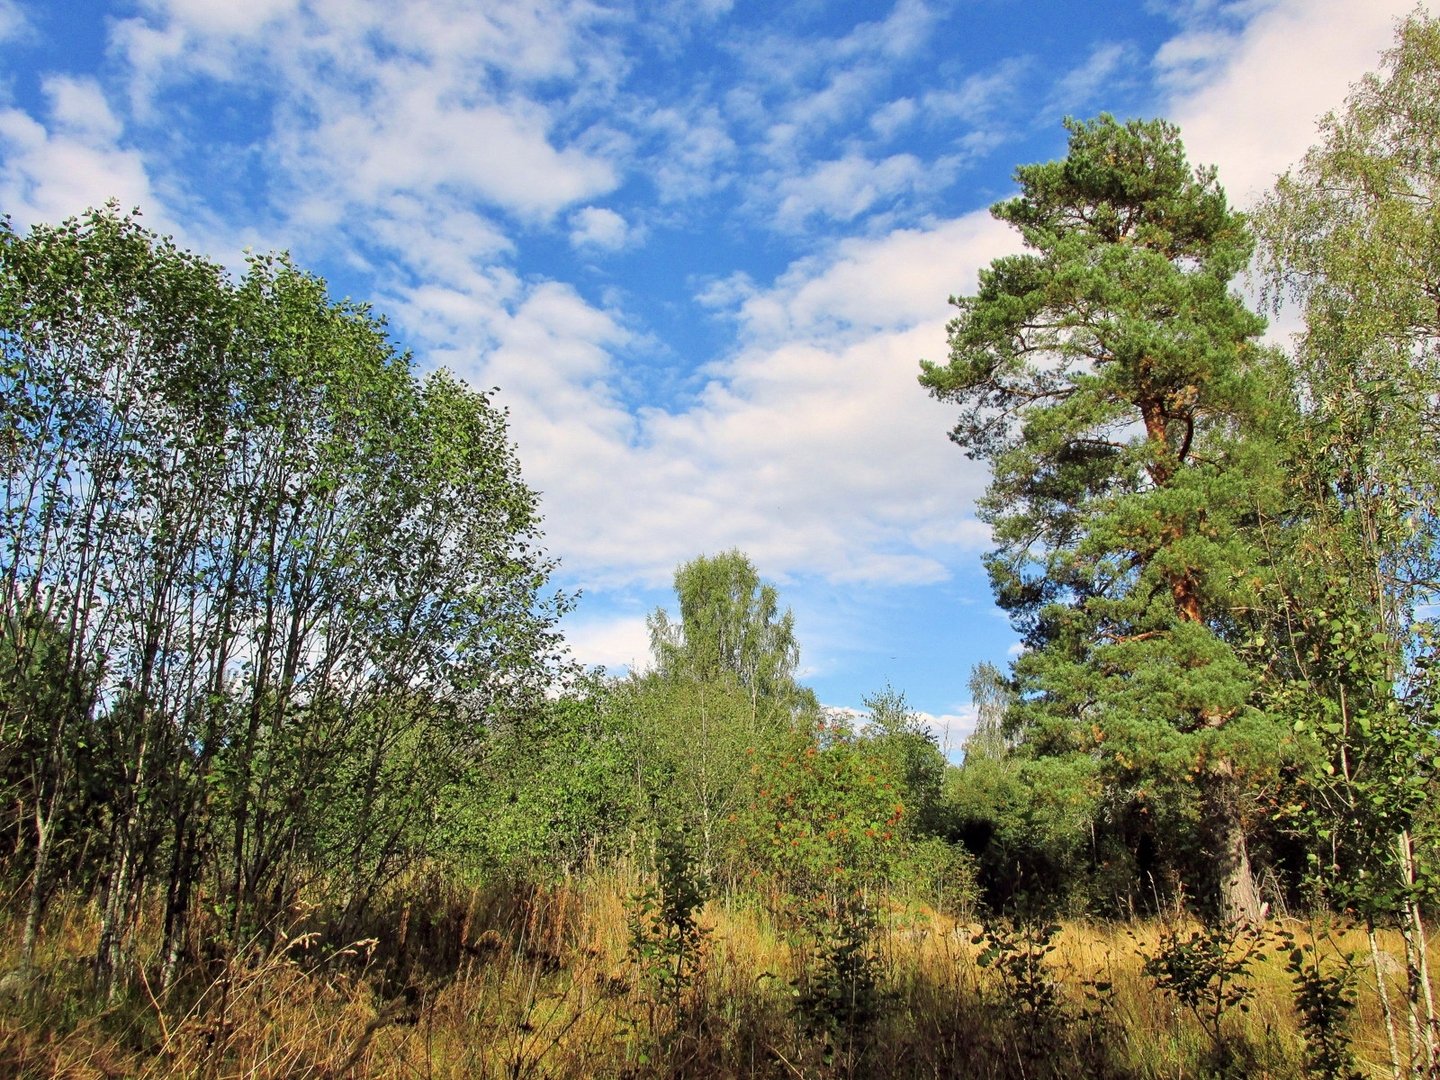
(522, 981)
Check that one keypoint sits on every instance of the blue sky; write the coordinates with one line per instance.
(699, 245)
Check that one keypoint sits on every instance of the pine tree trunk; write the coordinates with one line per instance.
(1238, 894)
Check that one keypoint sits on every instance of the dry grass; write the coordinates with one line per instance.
(533, 982)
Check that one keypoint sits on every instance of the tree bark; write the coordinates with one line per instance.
(1238, 894)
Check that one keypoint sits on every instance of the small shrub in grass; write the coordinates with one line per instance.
(1207, 972)
(837, 996)
(667, 941)
(1325, 998)
(1016, 953)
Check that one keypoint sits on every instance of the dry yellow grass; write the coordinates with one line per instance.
(539, 983)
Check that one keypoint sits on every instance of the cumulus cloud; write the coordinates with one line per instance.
(620, 644)
(599, 228)
(811, 448)
(1249, 102)
(71, 159)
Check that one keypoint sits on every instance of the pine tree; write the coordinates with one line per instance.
(1113, 381)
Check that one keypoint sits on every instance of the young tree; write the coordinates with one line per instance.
(724, 684)
(1351, 235)
(1112, 381)
(730, 628)
(267, 571)
(898, 735)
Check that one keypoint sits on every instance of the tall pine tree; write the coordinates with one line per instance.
(1113, 382)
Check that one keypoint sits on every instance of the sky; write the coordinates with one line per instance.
(699, 246)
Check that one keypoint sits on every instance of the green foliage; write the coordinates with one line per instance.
(551, 794)
(1111, 379)
(1380, 761)
(1035, 827)
(1207, 971)
(1349, 234)
(300, 580)
(1325, 999)
(730, 628)
(826, 820)
(938, 873)
(723, 688)
(691, 763)
(897, 735)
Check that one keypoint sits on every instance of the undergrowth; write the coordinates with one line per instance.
(630, 977)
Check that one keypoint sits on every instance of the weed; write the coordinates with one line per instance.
(1208, 973)
(1324, 1000)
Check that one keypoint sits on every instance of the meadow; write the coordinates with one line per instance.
(555, 981)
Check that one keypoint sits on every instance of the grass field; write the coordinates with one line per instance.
(549, 982)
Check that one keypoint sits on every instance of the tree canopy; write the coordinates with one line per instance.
(730, 627)
(1112, 379)
(285, 583)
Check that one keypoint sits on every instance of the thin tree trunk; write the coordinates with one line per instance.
(36, 906)
(1384, 994)
(1424, 1029)
(116, 948)
(184, 867)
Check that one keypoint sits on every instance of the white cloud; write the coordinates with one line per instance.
(980, 95)
(697, 154)
(884, 284)
(51, 171)
(369, 107)
(208, 17)
(842, 190)
(1251, 107)
(79, 107)
(618, 644)
(1185, 63)
(13, 24)
(598, 227)
(952, 729)
(897, 35)
(887, 120)
(501, 155)
(1109, 63)
(812, 447)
